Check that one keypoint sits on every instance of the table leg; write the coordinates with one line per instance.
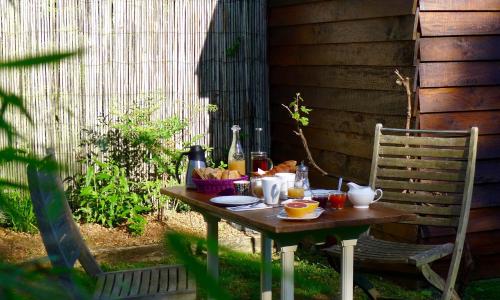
(347, 268)
(287, 286)
(265, 267)
(212, 246)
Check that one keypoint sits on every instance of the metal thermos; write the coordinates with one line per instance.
(196, 156)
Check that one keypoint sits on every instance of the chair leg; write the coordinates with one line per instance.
(436, 280)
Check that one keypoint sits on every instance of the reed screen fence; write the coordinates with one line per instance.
(182, 54)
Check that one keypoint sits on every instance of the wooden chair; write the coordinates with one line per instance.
(65, 245)
(429, 173)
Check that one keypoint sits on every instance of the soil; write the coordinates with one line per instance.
(116, 244)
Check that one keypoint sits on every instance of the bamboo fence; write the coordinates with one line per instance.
(185, 54)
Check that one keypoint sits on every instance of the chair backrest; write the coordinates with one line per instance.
(427, 172)
(61, 237)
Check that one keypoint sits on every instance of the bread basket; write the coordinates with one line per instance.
(217, 186)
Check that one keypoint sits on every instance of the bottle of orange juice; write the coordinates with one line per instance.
(236, 158)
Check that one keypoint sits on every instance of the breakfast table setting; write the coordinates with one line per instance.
(278, 202)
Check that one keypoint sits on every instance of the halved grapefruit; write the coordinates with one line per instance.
(300, 208)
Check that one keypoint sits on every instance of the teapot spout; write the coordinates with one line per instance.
(354, 186)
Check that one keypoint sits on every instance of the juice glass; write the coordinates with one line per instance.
(337, 199)
(321, 197)
(238, 165)
(295, 192)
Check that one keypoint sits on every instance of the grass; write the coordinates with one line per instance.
(240, 274)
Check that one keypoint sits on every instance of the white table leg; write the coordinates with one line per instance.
(213, 246)
(287, 286)
(266, 267)
(346, 273)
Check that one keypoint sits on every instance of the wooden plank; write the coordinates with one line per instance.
(453, 210)
(117, 286)
(449, 74)
(487, 121)
(275, 3)
(424, 141)
(420, 186)
(418, 163)
(365, 101)
(352, 168)
(145, 278)
(136, 283)
(108, 284)
(324, 139)
(374, 78)
(423, 152)
(126, 284)
(164, 280)
(486, 195)
(411, 174)
(340, 121)
(487, 171)
(173, 279)
(430, 221)
(369, 30)
(331, 11)
(422, 198)
(183, 279)
(459, 99)
(397, 53)
(153, 282)
(459, 48)
(459, 23)
(430, 5)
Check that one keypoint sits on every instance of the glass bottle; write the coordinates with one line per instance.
(236, 158)
(301, 184)
(258, 158)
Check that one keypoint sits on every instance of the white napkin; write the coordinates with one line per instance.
(249, 207)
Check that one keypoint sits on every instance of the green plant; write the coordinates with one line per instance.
(19, 214)
(106, 197)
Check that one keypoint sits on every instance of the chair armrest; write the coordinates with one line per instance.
(431, 255)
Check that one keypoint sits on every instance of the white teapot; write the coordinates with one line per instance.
(362, 196)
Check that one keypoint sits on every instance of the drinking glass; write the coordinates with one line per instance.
(337, 199)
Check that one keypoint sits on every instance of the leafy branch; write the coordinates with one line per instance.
(299, 113)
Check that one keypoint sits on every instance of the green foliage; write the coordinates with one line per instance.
(106, 197)
(17, 213)
(127, 164)
(234, 49)
(298, 111)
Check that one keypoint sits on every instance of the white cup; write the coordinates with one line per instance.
(271, 189)
(287, 180)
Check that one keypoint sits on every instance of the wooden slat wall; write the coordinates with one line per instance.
(340, 55)
(459, 87)
(172, 51)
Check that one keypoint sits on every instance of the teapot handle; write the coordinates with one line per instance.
(381, 193)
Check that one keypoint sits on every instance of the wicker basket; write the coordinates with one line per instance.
(217, 186)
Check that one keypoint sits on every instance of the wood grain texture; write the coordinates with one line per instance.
(369, 30)
(265, 220)
(459, 99)
(355, 77)
(274, 3)
(487, 121)
(400, 53)
(459, 48)
(459, 23)
(466, 5)
(448, 74)
(488, 146)
(338, 10)
(341, 121)
(351, 100)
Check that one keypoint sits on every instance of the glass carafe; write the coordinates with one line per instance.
(301, 184)
(258, 158)
(236, 158)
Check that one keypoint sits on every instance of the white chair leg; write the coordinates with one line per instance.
(346, 270)
(287, 258)
(266, 268)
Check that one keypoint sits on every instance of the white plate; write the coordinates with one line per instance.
(316, 213)
(234, 200)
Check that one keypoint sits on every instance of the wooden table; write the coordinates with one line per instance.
(346, 225)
